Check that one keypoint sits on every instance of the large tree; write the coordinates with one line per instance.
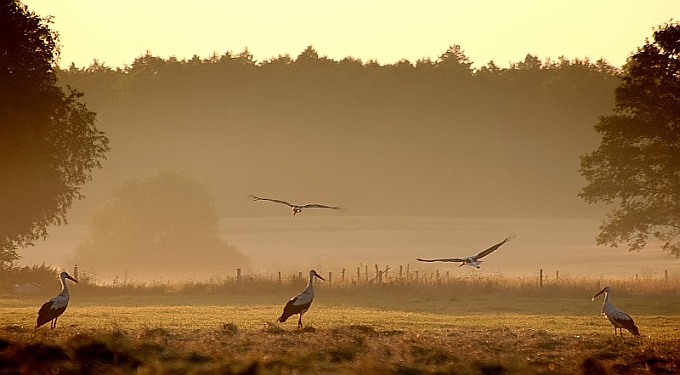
(48, 141)
(164, 226)
(637, 165)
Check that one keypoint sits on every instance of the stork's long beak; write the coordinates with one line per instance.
(319, 276)
(601, 291)
(70, 278)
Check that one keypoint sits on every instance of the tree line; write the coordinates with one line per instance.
(356, 128)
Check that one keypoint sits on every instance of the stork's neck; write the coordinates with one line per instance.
(64, 287)
(310, 283)
(606, 302)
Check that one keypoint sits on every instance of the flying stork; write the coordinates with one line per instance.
(300, 303)
(473, 260)
(52, 309)
(296, 208)
(617, 317)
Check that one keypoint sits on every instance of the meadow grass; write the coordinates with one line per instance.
(365, 331)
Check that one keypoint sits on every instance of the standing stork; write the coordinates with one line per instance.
(300, 303)
(617, 317)
(473, 260)
(296, 208)
(52, 309)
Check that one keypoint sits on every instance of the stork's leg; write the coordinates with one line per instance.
(53, 325)
(300, 321)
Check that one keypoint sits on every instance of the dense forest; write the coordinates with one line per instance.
(431, 137)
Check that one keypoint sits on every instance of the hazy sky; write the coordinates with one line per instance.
(116, 32)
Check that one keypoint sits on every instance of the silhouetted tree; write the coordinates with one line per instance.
(165, 225)
(454, 62)
(637, 165)
(48, 141)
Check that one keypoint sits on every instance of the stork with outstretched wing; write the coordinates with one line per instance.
(296, 208)
(473, 260)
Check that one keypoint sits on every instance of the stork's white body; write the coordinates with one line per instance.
(52, 309)
(617, 317)
(300, 303)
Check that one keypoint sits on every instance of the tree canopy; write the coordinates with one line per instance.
(48, 141)
(637, 165)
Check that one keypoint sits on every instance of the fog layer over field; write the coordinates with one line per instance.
(408, 150)
(331, 243)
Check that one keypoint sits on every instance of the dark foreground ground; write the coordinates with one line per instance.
(342, 349)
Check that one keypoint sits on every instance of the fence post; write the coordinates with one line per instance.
(358, 275)
(402, 267)
(380, 274)
(330, 278)
(665, 271)
(238, 277)
(279, 277)
(342, 277)
(540, 279)
(366, 273)
(557, 276)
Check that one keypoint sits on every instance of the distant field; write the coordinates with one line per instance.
(335, 242)
(412, 332)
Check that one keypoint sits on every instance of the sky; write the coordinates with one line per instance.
(116, 32)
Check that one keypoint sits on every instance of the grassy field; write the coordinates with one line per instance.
(358, 330)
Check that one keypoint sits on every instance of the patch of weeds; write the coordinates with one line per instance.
(273, 328)
(409, 370)
(155, 334)
(592, 367)
(490, 368)
(14, 328)
(197, 358)
(549, 344)
(96, 352)
(342, 354)
(362, 328)
(308, 329)
(392, 332)
(33, 358)
(229, 329)
(431, 356)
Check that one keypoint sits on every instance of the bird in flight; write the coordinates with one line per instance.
(473, 260)
(296, 208)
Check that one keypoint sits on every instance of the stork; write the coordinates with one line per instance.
(473, 260)
(617, 317)
(296, 208)
(300, 303)
(52, 309)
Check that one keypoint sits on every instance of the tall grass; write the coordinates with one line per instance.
(412, 282)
